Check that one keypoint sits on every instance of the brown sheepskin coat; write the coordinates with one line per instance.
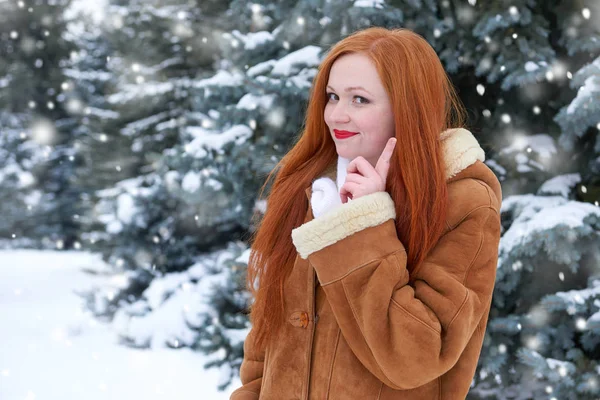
(360, 326)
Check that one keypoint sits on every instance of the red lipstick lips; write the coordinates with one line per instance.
(343, 134)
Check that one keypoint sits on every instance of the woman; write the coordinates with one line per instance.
(374, 266)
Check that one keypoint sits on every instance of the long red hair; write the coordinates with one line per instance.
(424, 103)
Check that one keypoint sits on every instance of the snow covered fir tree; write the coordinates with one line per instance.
(39, 160)
(179, 110)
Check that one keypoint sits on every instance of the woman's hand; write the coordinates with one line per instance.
(362, 179)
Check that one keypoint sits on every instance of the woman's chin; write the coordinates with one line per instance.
(343, 152)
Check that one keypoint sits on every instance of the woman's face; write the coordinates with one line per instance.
(365, 110)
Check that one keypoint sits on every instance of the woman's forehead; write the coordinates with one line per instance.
(355, 72)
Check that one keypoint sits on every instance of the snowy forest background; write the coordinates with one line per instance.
(142, 131)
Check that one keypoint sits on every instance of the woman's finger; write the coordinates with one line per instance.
(363, 167)
(354, 177)
(383, 164)
(348, 190)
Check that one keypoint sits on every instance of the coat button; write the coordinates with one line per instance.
(299, 319)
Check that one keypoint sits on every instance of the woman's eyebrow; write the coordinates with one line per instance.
(350, 88)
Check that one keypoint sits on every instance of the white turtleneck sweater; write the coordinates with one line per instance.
(326, 193)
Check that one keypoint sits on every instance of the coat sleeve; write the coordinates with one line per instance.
(406, 329)
(251, 371)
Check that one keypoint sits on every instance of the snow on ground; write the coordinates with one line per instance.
(52, 349)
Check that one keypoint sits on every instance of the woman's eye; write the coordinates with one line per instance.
(363, 100)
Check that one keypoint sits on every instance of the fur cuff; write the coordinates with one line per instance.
(343, 221)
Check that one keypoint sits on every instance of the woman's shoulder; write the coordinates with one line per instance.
(474, 187)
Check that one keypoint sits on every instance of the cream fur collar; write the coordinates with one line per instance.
(461, 149)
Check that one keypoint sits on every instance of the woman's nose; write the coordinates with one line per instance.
(339, 113)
